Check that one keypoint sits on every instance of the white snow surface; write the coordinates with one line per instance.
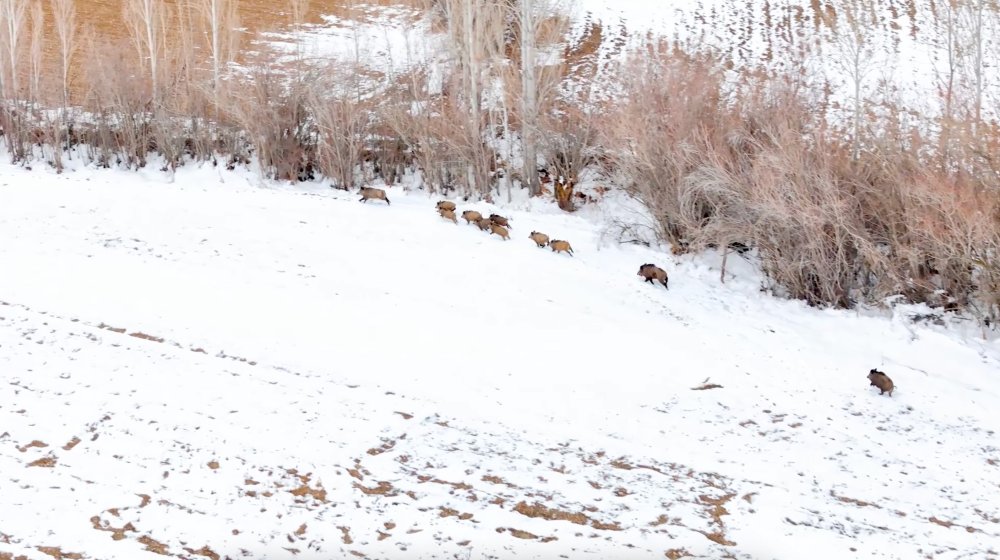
(210, 365)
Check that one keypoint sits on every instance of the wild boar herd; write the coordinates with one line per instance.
(499, 225)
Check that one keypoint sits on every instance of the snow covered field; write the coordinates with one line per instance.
(218, 368)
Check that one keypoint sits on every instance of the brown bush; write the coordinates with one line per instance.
(830, 227)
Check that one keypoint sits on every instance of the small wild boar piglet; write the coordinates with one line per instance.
(500, 220)
(539, 238)
(448, 215)
(652, 272)
(471, 216)
(446, 205)
(881, 380)
(499, 230)
(559, 246)
(484, 224)
(374, 194)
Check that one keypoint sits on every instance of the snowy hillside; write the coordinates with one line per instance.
(216, 368)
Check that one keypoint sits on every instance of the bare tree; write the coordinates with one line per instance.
(12, 14)
(856, 56)
(146, 21)
(220, 20)
(64, 20)
(36, 47)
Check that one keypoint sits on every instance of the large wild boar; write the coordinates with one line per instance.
(559, 246)
(373, 193)
(881, 380)
(539, 238)
(471, 216)
(499, 230)
(652, 272)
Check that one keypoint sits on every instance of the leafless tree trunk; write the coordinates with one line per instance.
(221, 26)
(856, 57)
(64, 19)
(12, 15)
(146, 21)
(37, 44)
(529, 96)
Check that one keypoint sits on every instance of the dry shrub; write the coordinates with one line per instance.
(342, 121)
(831, 227)
(273, 112)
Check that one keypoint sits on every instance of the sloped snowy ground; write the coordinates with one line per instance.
(229, 370)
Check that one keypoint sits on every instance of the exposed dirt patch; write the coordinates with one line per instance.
(383, 489)
(145, 336)
(301, 530)
(552, 514)
(71, 444)
(706, 387)
(675, 553)
(34, 443)
(46, 462)
(718, 537)
(145, 500)
(661, 520)
(716, 506)
(517, 533)
(346, 535)
(859, 503)
(153, 545)
(318, 494)
(386, 446)
(110, 328)
(404, 415)
(497, 480)
(58, 554)
(204, 551)
(117, 533)
(449, 512)
(9, 556)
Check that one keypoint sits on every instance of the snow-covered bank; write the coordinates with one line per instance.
(302, 375)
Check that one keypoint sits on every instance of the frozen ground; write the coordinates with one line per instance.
(216, 368)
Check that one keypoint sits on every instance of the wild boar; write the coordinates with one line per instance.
(539, 238)
(558, 246)
(881, 380)
(448, 215)
(375, 194)
(484, 224)
(500, 220)
(652, 272)
(471, 216)
(446, 205)
(499, 230)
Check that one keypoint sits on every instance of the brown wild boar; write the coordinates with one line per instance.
(499, 230)
(500, 220)
(448, 215)
(881, 380)
(539, 238)
(558, 246)
(484, 224)
(446, 205)
(652, 272)
(471, 216)
(375, 194)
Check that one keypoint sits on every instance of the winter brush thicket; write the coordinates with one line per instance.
(884, 202)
